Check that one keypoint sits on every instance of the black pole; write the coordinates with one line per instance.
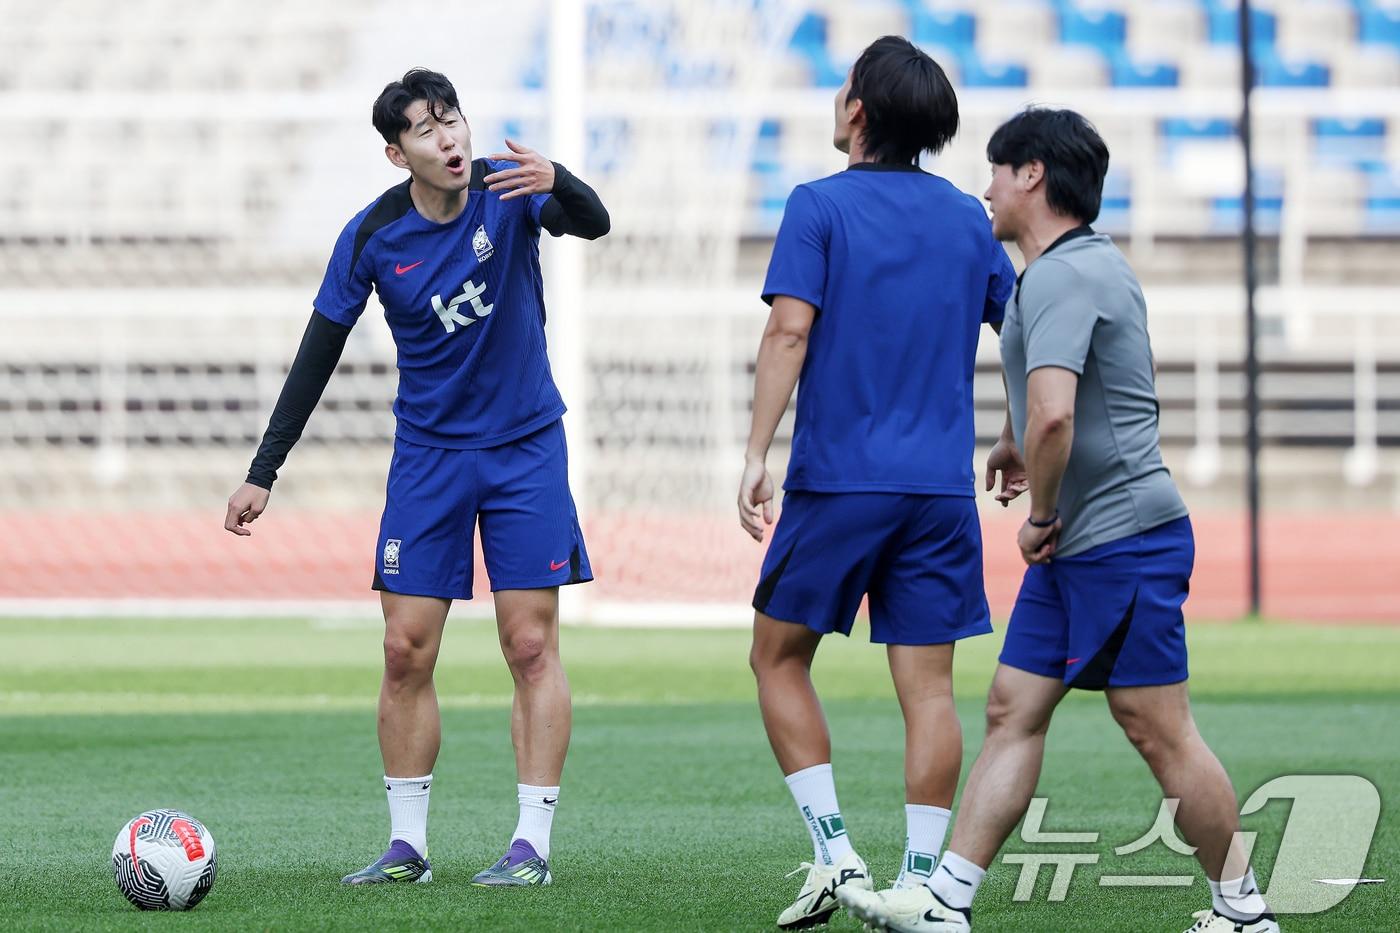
(1251, 281)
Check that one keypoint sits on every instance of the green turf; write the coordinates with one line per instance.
(674, 816)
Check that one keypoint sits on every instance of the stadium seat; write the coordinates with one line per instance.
(1210, 67)
(954, 29)
(1018, 27)
(1368, 66)
(1223, 23)
(1227, 213)
(1349, 142)
(1273, 70)
(1061, 66)
(809, 41)
(1164, 29)
(1316, 29)
(853, 26)
(1379, 24)
(1102, 29)
(1383, 199)
(1116, 210)
(979, 73)
(1126, 71)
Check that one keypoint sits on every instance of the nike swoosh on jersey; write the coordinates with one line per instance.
(400, 270)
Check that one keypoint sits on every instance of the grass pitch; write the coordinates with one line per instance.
(673, 814)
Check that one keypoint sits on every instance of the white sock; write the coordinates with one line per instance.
(925, 828)
(408, 810)
(536, 816)
(1238, 899)
(814, 789)
(956, 881)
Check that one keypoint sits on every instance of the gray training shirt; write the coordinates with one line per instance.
(1079, 307)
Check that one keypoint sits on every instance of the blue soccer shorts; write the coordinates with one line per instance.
(1109, 616)
(518, 492)
(919, 558)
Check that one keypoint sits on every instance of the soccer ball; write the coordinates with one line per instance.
(164, 860)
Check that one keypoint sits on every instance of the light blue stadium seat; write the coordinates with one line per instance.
(1116, 208)
(1125, 71)
(1178, 130)
(1349, 142)
(1273, 70)
(1382, 199)
(1227, 213)
(952, 29)
(1102, 29)
(1377, 24)
(809, 42)
(1223, 24)
(978, 73)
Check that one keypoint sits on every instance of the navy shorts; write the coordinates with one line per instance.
(919, 558)
(519, 492)
(1109, 616)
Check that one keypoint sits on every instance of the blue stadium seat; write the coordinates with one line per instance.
(1117, 204)
(1227, 214)
(809, 42)
(1178, 130)
(1124, 71)
(1383, 199)
(1273, 70)
(1349, 142)
(1101, 29)
(952, 29)
(1378, 24)
(978, 73)
(1223, 21)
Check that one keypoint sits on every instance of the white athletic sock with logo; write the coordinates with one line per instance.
(536, 816)
(925, 828)
(1239, 899)
(408, 810)
(956, 880)
(814, 789)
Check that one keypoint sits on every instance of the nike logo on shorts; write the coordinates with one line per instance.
(558, 565)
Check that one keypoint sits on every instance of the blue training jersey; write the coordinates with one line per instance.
(465, 303)
(903, 270)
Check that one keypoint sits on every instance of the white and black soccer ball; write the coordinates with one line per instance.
(164, 860)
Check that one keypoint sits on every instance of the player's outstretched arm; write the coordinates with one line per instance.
(573, 207)
(316, 359)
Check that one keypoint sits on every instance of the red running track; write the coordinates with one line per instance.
(1316, 566)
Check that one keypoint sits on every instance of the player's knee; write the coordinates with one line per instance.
(1008, 719)
(406, 660)
(759, 661)
(527, 653)
(1148, 734)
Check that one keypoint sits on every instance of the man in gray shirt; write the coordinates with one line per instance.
(1108, 541)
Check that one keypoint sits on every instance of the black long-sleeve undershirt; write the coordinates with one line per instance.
(321, 346)
(573, 208)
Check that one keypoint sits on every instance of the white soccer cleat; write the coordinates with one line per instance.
(904, 910)
(817, 900)
(1208, 921)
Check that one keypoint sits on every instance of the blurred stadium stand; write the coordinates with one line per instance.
(177, 172)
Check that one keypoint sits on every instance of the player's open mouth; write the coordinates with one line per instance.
(455, 165)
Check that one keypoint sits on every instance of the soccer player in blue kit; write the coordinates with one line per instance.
(453, 253)
(881, 279)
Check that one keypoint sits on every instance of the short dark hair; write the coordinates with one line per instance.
(1072, 151)
(417, 84)
(909, 102)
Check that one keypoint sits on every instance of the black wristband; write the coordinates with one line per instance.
(1030, 520)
